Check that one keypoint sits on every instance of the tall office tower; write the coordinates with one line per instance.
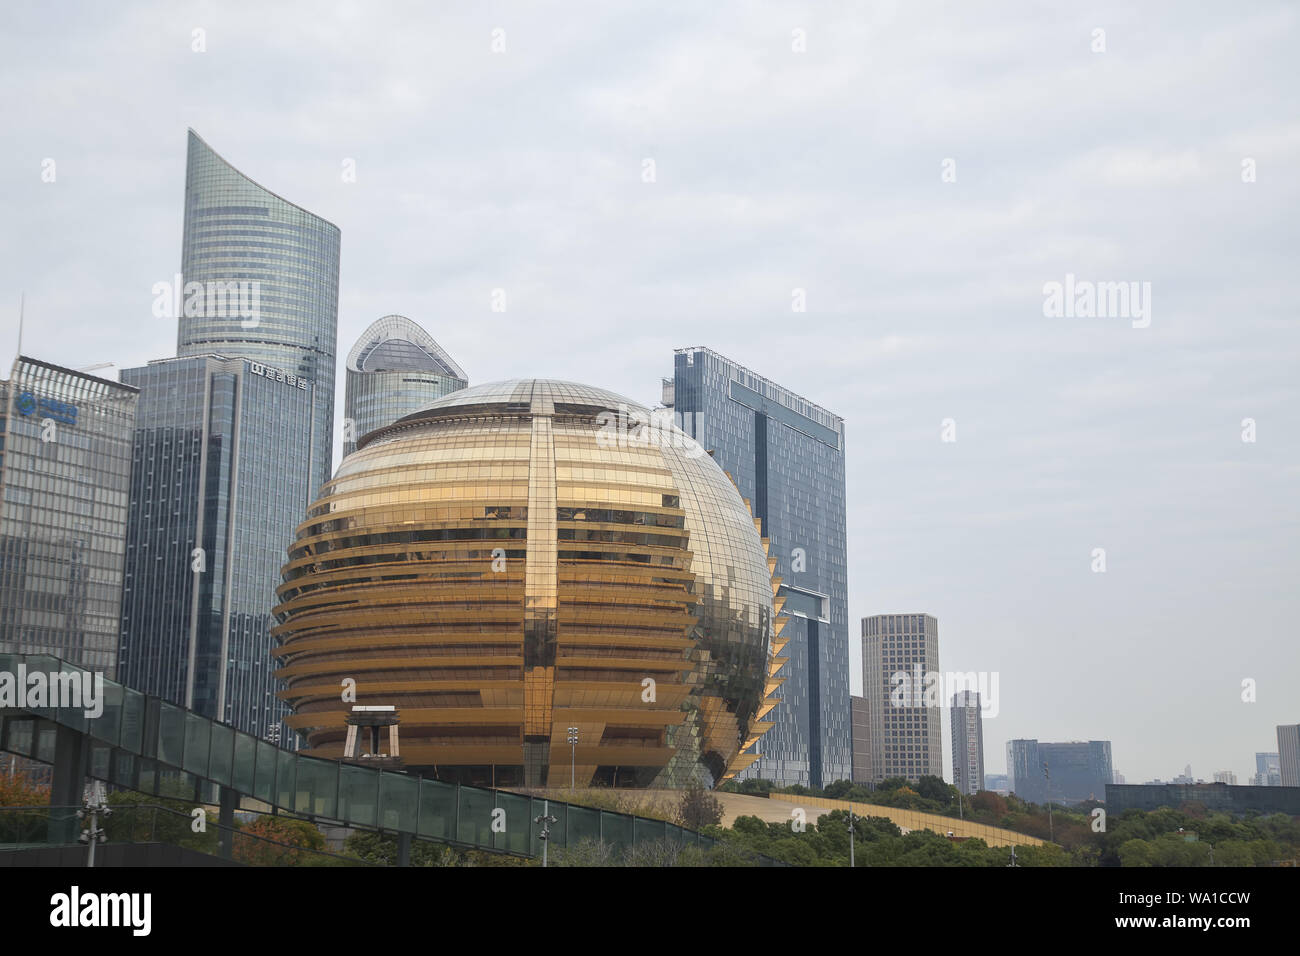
(1225, 776)
(1268, 770)
(214, 503)
(284, 262)
(860, 711)
(233, 439)
(786, 455)
(1077, 770)
(967, 742)
(395, 369)
(1288, 754)
(65, 463)
(898, 651)
(1024, 771)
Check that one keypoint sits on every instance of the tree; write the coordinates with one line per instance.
(1135, 853)
(990, 802)
(750, 826)
(698, 808)
(903, 797)
(24, 825)
(1233, 853)
(755, 786)
(933, 788)
(848, 790)
(253, 842)
(15, 791)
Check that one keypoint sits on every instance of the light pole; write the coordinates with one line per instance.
(1048, 792)
(545, 820)
(850, 838)
(94, 808)
(573, 751)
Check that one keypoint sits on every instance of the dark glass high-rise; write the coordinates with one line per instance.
(786, 456)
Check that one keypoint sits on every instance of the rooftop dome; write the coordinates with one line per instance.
(397, 344)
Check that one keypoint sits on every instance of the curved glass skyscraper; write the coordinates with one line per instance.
(261, 282)
(233, 438)
(395, 369)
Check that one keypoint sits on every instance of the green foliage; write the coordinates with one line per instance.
(142, 817)
(381, 850)
(986, 802)
(1134, 838)
(23, 826)
(877, 841)
(278, 841)
(933, 788)
(1138, 838)
(649, 804)
(752, 787)
(15, 791)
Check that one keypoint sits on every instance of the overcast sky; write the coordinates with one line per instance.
(777, 169)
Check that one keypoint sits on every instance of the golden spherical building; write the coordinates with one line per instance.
(526, 557)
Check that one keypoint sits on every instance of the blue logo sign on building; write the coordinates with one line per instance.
(48, 408)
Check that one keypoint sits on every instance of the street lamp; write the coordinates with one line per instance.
(545, 820)
(851, 837)
(573, 750)
(93, 807)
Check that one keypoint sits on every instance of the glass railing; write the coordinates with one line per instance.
(24, 827)
(142, 743)
(31, 827)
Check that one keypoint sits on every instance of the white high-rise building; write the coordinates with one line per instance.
(898, 651)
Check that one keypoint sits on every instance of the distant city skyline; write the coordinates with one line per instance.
(499, 197)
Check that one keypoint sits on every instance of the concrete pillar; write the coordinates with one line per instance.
(227, 802)
(403, 849)
(67, 782)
